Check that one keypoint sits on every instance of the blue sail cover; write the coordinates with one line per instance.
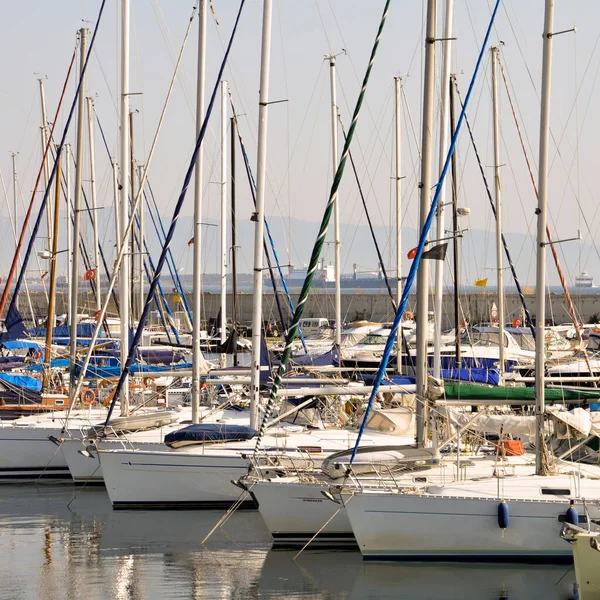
(22, 381)
(209, 432)
(489, 376)
(84, 330)
(14, 324)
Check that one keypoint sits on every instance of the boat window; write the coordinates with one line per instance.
(374, 340)
(380, 422)
(525, 341)
(556, 491)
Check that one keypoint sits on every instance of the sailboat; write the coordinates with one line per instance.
(496, 518)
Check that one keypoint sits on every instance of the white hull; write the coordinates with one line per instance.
(137, 479)
(27, 454)
(392, 526)
(310, 509)
(201, 476)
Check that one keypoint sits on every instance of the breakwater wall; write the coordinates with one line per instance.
(475, 307)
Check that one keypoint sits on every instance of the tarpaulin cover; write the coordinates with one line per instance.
(209, 432)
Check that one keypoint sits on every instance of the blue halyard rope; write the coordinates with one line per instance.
(422, 240)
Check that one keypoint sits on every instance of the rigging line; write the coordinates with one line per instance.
(127, 230)
(177, 211)
(16, 257)
(174, 272)
(320, 241)
(252, 183)
(38, 221)
(422, 239)
(364, 203)
(267, 228)
(529, 320)
(377, 249)
(561, 276)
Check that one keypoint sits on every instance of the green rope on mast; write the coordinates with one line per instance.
(320, 241)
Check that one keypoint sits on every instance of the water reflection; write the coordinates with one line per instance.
(90, 551)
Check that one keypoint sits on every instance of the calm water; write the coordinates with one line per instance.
(88, 551)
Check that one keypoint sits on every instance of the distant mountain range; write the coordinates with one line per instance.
(477, 250)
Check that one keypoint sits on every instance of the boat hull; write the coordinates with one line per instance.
(157, 480)
(392, 526)
(314, 515)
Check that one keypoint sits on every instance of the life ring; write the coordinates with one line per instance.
(408, 315)
(87, 396)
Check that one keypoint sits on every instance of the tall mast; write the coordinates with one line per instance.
(440, 229)
(134, 264)
(197, 247)
(233, 239)
(142, 295)
(540, 283)
(455, 233)
(259, 216)
(73, 321)
(44, 137)
(125, 280)
(223, 324)
(336, 204)
(15, 193)
(69, 227)
(397, 177)
(90, 114)
(498, 197)
(425, 186)
(53, 273)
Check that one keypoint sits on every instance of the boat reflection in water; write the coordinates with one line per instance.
(90, 551)
(325, 574)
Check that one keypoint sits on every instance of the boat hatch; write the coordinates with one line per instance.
(555, 491)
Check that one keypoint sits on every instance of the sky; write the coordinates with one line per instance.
(37, 39)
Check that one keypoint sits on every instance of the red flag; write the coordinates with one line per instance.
(412, 253)
(191, 242)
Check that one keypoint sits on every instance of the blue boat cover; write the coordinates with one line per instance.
(22, 381)
(210, 432)
(489, 376)
(21, 344)
(84, 330)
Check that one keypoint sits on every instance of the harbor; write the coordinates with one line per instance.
(299, 301)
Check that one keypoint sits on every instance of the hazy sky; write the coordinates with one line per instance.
(37, 39)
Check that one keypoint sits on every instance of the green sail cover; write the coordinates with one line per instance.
(466, 391)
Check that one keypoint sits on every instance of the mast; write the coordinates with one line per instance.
(125, 280)
(398, 178)
(197, 247)
(15, 183)
(455, 234)
(223, 324)
(53, 273)
(233, 239)
(336, 205)
(44, 137)
(73, 299)
(540, 283)
(69, 229)
(425, 187)
(259, 216)
(498, 197)
(142, 295)
(440, 230)
(90, 114)
(133, 264)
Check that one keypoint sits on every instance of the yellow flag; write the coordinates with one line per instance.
(481, 282)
